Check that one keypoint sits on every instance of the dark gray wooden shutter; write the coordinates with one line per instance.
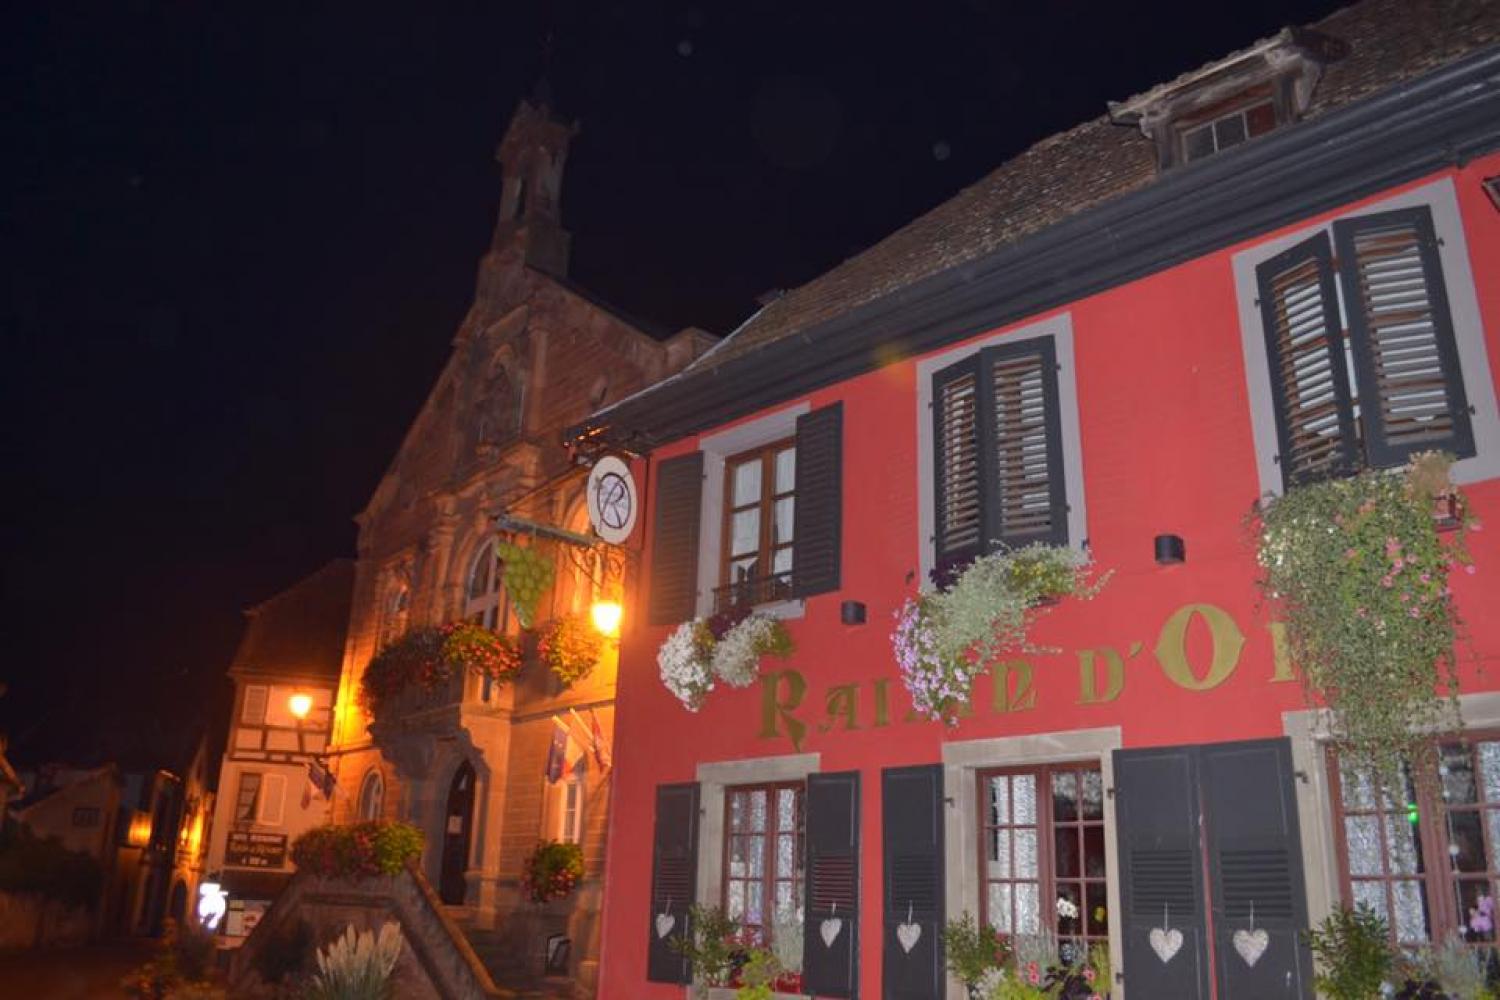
(1027, 495)
(1411, 389)
(832, 893)
(674, 880)
(818, 511)
(960, 465)
(1255, 860)
(912, 826)
(1305, 353)
(1161, 885)
(674, 543)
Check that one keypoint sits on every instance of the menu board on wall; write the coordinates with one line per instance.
(255, 850)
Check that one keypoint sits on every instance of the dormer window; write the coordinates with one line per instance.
(1230, 102)
(1226, 129)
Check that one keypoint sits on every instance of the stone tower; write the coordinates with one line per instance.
(532, 156)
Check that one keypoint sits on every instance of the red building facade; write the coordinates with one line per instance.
(1162, 769)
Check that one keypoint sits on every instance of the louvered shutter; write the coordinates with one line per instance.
(1305, 354)
(912, 827)
(674, 880)
(1161, 885)
(674, 543)
(960, 465)
(1255, 869)
(1028, 499)
(831, 900)
(817, 512)
(1411, 390)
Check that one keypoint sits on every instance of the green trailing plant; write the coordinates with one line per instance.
(972, 950)
(570, 647)
(946, 638)
(710, 945)
(428, 656)
(1361, 574)
(357, 965)
(357, 850)
(1353, 953)
(553, 870)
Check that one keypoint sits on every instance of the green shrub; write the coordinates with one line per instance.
(553, 870)
(1354, 954)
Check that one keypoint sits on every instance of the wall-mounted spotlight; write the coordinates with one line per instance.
(1170, 550)
(852, 612)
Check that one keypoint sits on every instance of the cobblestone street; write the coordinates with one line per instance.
(93, 971)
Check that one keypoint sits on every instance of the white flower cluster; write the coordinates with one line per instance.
(691, 660)
(736, 657)
(684, 671)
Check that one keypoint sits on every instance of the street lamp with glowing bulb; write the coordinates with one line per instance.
(300, 704)
(606, 616)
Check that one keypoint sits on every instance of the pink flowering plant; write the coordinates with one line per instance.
(1360, 572)
(357, 850)
(945, 638)
(428, 656)
(726, 648)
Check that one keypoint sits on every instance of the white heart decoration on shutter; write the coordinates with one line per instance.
(830, 930)
(665, 921)
(1251, 945)
(908, 934)
(1166, 942)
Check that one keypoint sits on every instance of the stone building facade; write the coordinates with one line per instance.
(466, 763)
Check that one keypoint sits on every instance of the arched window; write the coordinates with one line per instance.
(484, 600)
(372, 796)
(397, 607)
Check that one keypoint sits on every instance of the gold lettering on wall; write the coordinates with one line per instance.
(1013, 688)
(775, 710)
(1171, 647)
(882, 702)
(1088, 678)
(1281, 652)
(843, 703)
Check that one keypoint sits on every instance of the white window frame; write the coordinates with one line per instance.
(1060, 329)
(494, 601)
(1441, 200)
(716, 448)
(271, 810)
(373, 779)
(255, 718)
(568, 829)
(962, 762)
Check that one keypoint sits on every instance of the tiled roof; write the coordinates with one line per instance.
(301, 630)
(1390, 42)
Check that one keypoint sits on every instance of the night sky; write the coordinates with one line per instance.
(241, 237)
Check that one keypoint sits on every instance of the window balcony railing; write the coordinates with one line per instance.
(751, 592)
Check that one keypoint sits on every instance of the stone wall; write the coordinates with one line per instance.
(28, 921)
(436, 961)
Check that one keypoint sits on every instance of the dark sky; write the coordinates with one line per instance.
(240, 238)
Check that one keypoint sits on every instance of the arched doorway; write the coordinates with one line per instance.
(458, 826)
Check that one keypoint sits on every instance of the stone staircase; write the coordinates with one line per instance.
(504, 954)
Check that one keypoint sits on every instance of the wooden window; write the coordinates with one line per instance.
(1368, 377)
(763, 854)
(253, 709)
(998, 473)
(1424, 857)
(247, 797)
(485, 600)
(1042, 853)
(759, 507)
(1227, 129)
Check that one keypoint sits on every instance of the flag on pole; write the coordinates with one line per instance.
(601, 745)
(557, 753)
(319, 779)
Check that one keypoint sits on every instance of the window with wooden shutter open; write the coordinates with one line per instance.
(960, 508)
(1411, 390)
(1305, 354)
(674, 881)
(830, 943)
